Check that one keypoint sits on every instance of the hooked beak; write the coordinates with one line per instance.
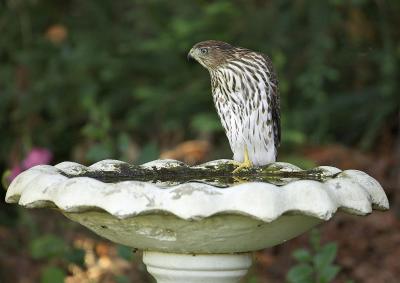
(190, 56)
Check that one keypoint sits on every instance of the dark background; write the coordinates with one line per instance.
(89, 80)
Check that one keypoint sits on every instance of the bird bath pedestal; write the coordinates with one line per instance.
(196, 224)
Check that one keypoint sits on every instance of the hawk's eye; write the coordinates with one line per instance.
(204, 50)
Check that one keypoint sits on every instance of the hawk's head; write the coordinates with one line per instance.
(211, 53)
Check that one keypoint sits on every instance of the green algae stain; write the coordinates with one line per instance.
(219, 175)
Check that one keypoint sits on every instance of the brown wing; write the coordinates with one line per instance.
(275, 102)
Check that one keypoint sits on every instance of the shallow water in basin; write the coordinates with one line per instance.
(218, 175)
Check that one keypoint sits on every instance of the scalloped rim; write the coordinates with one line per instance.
(44, 186)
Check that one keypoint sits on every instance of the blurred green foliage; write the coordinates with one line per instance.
(315, 265)
(50, 253)
(47, 246)
(51, 246)
(52, 274)
(57, 255)
(94, 77)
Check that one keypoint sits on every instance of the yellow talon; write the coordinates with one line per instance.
(239, 180)
(246, 163)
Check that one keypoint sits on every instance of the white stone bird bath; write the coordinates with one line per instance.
(193, 223)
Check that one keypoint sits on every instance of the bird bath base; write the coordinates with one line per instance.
(196, 224)
(195, 268)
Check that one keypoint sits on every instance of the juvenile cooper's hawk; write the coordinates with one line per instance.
(245, 93)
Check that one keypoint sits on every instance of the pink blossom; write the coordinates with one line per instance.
(14, 172)
(37, 156)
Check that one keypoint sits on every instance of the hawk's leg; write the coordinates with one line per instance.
(246, 163)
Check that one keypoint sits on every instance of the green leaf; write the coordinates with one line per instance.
(315, 239)
(206, 122)
(122, 279)
(92, 131)
(328, 273)
(299, 161)
(125, 252)
(302, 255)
(123, 143)
(252, 279)
(52, 275)
(325, 256)
(99, 151)
(47, 246)
(294, 137)
(149, 152)
(301, 273)
(76, 256)
(5, 182)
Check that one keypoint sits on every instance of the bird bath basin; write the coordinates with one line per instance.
(196, 224)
